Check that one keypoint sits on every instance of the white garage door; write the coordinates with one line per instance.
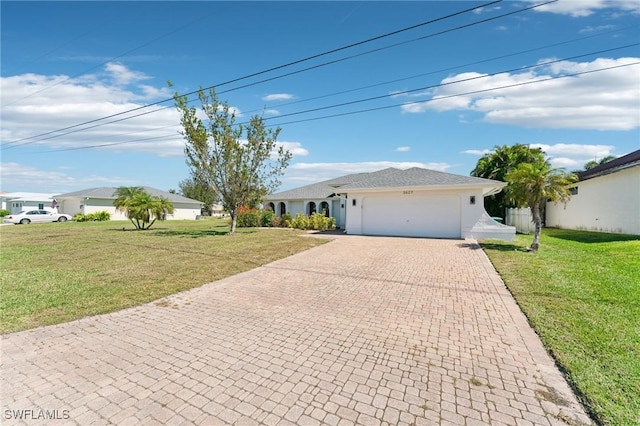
(412, 216)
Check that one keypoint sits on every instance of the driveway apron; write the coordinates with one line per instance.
(362, 330)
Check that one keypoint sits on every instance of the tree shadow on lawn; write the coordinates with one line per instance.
(501, 246)
(587, 236)
(164, 232)
(198, 233)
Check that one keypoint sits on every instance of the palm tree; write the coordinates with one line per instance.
(124, 196)
(496, 164)
(140, 207)
(532, 184)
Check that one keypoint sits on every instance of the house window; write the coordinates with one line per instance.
(324, 208)
(472, 199)
(311, 208)
(40, 206)
(574, 190)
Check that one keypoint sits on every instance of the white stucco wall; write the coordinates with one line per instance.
(77, 205)
(608, 203)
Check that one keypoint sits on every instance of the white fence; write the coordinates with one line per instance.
(521, 219)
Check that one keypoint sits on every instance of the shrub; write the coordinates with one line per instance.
(267, 218)
(4, 212)
(248, 217)
(285, 220)
(101, 216)
(300, 221)
(317, 222)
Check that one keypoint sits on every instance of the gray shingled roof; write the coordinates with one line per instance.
(106, 192)
(386, 178)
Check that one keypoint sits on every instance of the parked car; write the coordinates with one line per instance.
(27, 216)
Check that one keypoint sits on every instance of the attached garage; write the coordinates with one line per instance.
(421, 215)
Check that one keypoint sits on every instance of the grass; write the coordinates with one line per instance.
(52, 273)
(581, 293)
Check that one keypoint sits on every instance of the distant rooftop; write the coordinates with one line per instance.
(106, 192)
(620, 163)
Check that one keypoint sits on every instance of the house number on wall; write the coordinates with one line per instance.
(407, 192)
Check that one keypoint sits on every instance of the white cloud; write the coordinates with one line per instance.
(479, 152)
(575, 150)
(15, 175)
(482, 10)
(587, 7)
(306, 173)
(277, 97)
(35, 104)
(590, 29)
(295, 148)
(605, 100)
(121, 75)
(403, 149)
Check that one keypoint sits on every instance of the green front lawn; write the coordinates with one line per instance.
(58, 272)
(581, 293)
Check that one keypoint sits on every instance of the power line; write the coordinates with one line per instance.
(347, 91)
(495, 58)
(308, 58)
(107, 61)
(14, 143)
(540, 80)
(450, 83)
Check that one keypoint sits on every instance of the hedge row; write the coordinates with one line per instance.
(249, 218)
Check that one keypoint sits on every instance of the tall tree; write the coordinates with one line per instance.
(593, 163)
(532, 185)
(142, 208)
(242, 171)
(198, 190)
(497, 164)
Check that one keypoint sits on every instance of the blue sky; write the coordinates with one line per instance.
(68, 63)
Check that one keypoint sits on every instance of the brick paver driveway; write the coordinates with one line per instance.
(360, 330)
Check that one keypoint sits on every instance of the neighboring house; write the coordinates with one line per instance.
(16, 202)
(606, 198)
(415, 202)
(101, 199)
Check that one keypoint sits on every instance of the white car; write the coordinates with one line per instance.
(28, 216)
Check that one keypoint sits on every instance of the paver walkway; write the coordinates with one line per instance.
(360, 330)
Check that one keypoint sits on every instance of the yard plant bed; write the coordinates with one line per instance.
(581, 293)
(52, 273)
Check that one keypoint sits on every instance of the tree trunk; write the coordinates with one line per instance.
(537, 221)
(234, 220)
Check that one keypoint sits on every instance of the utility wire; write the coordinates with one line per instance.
(404, 92)
(308, 58)
(107, 61)
(540, 80)
(273, 78)
(495, 58)
(347, 91)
